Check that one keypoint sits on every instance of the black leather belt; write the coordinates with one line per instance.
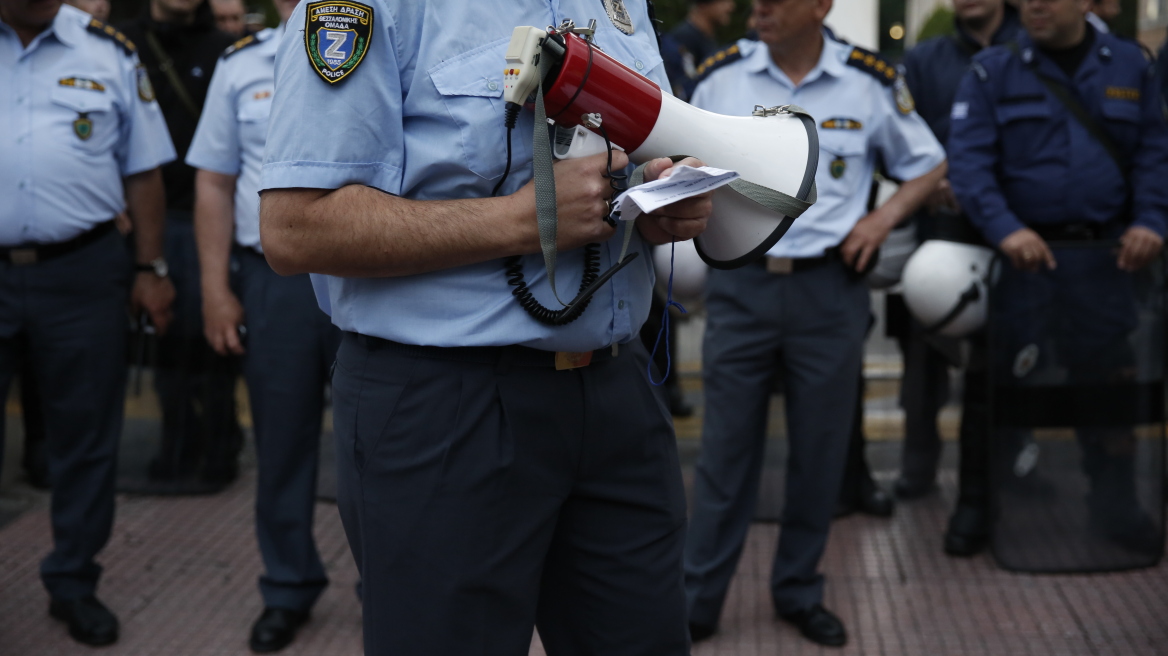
(34, 253)
(788, 265)
(520, 356)
(1079, 230)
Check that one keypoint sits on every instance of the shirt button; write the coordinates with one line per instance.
(640, 65)
(20, 100)
(492, 85)
(23, 184)
(620, 305)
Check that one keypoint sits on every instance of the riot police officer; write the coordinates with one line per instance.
(805, 307)
(1063, 137)
(933, 71)
(290, 344)
(83, 141)
(494, 471)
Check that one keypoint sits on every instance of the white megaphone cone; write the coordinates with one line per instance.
(774, 148)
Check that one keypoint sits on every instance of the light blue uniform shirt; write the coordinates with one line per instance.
(421, 117)
(74, 123)
(234, 124)
(832, 90)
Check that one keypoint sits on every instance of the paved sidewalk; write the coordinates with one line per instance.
(180, 573)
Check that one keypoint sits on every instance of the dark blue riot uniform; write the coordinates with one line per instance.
(1020, 158)
(935, 67)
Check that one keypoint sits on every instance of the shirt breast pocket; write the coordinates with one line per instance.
(471, 87)
(1122, 118)
(253, 121)
(85, 119)
(841, 153)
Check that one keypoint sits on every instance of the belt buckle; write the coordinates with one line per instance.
(572, 360)
(780, 265)
(22, 256)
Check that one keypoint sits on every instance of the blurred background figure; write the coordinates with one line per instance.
(99, 9)
(1061, 137)
(801, 312)
(201, 437)
(230, 17)
(933, 71)
(85, 144)
(693, 41)
(254, 20)
(290, 344)
(1102, 13)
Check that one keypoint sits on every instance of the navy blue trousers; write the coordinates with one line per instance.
(486, 495)
(69, 315)
(290, 346)
(812, 323)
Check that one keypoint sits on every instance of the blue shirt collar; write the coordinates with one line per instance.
(831, 62)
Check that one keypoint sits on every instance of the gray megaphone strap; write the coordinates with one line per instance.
(545, 181)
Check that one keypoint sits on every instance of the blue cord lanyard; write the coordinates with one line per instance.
(664, 330)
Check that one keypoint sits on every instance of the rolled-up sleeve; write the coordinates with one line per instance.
(326, 135)
(905, 141)
(145, 142)
(216, 144)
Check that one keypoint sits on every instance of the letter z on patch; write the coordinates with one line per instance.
(336, 36)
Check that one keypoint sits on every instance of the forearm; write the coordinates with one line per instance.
(360, 232)
(910, 196)
(146, 205)
(214, 226)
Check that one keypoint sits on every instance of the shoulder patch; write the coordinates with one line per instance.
(108, 31)
(336, 37)
(716, 61)
(873, 64)
(245, 42)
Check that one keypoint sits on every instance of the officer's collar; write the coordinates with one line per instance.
(1102, 48)
(831, 59)
(68, 27)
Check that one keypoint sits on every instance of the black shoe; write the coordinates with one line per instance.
(908, 489)
(819, 625)
(276, 629)
(90, 622)
(968, 532)
(870, 500)
(700, 632)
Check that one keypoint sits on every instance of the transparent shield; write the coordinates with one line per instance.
(1076, 358)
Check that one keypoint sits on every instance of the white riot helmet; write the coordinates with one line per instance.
(946, 286)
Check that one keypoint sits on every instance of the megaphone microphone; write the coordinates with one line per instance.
(776, 149)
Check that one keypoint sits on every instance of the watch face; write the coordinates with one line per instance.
(160, 268)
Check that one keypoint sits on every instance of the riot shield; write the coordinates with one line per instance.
(1076, 364)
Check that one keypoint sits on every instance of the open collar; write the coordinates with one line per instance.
(831, 62)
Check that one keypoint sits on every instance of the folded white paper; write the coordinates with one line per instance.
(684, 182)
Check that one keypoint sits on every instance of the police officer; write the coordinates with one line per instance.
(933, 70)
(289, 344)
(805, 306)
(83, 141)
(693, 40)
(495, 471)
(1026, 170)
(201, 437)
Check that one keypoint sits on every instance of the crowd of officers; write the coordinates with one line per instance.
(132, 168)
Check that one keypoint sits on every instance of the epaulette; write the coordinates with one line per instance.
(716, 61)
(873, 64)
(245, 42)
(108, 31)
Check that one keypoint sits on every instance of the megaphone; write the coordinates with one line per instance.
(774, 148)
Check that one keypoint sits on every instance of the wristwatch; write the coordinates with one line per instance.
(157, 266)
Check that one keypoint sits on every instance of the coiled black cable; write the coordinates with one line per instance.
(513, 265)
